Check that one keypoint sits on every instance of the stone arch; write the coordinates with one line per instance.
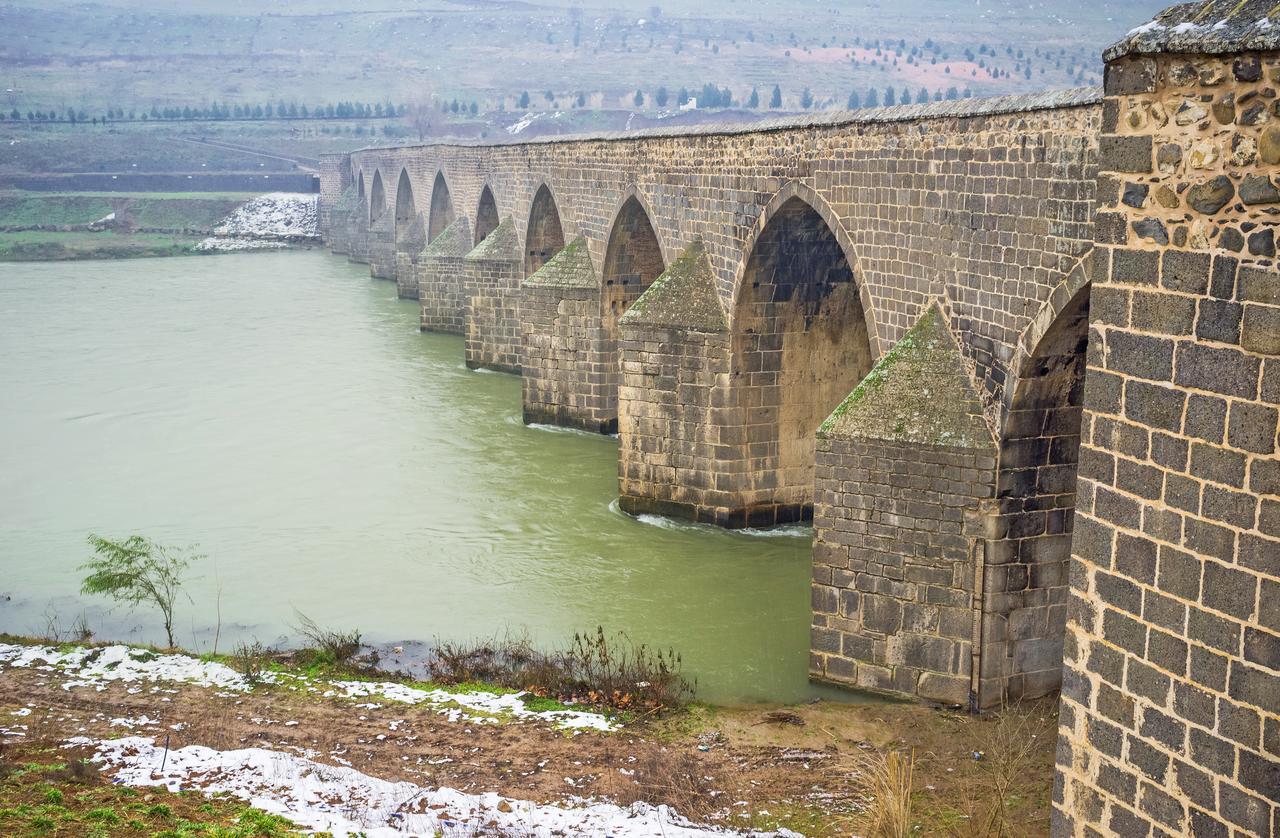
(801, 342)
(633, 259)
(1036, 495)
(406, 210)
(797, 189)
(486, 214)
(360, 186)
(441, 207)
(544, 236)
(377, 198)
(1033, 333)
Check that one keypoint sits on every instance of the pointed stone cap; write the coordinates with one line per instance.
(502, 245)
(684, 296)
(570, 268)
(1207, 26)
(920, 392)
(415, 238)
(454, 240)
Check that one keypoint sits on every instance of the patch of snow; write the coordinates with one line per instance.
(266, 222)
(344, 801)
(524, 123)
(96, 668)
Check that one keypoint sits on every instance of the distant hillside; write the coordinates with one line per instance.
(133, 56)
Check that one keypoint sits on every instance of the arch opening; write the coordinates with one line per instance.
(405, 208)
(800, 345)
(545, 237)
(632, 261)
(486, 215)
(1036, 491)
(360, 187)
(377, 198)
(441, 208)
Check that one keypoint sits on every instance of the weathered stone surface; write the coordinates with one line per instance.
(683, 297)
(1269, 146)
(920, 392)
(1151, 228)
(1135, 194)
(1212, 195)
(1224, 109)
(1258, 189)
(1166, 197)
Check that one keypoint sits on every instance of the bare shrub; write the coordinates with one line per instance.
(249, 660)
(888, 813)
(1008, 754)
(599, 669)
(337, 647)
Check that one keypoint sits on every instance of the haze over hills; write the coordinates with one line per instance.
(135, 55)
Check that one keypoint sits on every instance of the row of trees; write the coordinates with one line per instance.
(216, 111)
(874, 98)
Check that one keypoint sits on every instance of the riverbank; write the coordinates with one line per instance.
(38, 227)
(467, 758)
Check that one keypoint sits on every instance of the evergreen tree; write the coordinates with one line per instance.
(661, 97)
(873, 98)
(524, 99)
(952, 93)
(855, 101)
(922, 97)
(638, 99)
(753, 101)
(806, 99)
(475, 107)
(775, 101)
(890, 98)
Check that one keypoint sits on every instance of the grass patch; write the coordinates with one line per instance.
(39, 246)
(39, 795)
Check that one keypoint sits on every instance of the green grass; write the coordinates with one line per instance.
(52, 247)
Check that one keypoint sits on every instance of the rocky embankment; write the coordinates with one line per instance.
(269, 221)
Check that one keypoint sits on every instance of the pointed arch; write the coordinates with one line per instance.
(377, 198)
(406, 210)
(486, 214)
(801, 342)
(632, 261)
(441, 207)
(360, 186)
(544, 235)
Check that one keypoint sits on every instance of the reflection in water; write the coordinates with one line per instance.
(282, 411)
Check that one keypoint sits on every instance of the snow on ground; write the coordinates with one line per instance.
(344, 801)
(96, 668)
(267, 221)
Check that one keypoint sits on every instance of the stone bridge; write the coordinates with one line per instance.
(1017, 358)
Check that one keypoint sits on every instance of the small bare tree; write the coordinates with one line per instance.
(420, 113)
(137, 570)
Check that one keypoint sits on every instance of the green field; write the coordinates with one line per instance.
(48, 247)
(169, 211)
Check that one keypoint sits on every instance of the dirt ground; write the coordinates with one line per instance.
(808, 768)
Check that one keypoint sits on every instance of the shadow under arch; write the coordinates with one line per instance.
(544, 233)
(801, 341)
(406, 209)
(441, 213)
(487, 219)
(377, 198)
(1036, 495)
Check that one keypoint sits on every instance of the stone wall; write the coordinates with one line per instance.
(491, 318)
(442, 279)
(1170, 720)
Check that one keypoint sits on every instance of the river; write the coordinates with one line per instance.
(283, 412)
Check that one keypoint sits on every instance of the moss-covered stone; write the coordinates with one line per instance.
(570, 268)
(454, 240)
(414, 239)
(349, 201)
(920, 392)
(684, 297)
(502, 245)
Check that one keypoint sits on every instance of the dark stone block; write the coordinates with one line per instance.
(1135, 194)
(1147, 682)
(1136, 558)
(1241, 725)
(1225, 371)
(1156, 407)
(1150, 761)
(1123, 78)
(1258, 285)
(1247, 68)
(1212, 195)
(1211, 753)
(1110, 228)
(1186, 271)
(1251, 814)
(1196, 785)
(1121, 593)
(1235, 508)
(1194, 704)
(1214, 631)
(1262, 648)
(1159, 805)
(1167, 652)
(1258, 189)
(1261, 330)
(1208, 668)
(1219, 321)
(1260, 775)
(1125, 154)
(1153, 229)
(1263, 243)
(1135, 267)
(1231, 239)
(1142, 356)
(1163, 728)
(1222, 284)
(1180, 573)
(1209, 539)
(1253, 427)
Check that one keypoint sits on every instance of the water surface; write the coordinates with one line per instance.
(283, 411)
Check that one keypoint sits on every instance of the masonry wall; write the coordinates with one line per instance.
(565, 369)
(897, 529)
(443, 290)
(382, 248)
(407, 272)
(1170, 713)
(491, 321)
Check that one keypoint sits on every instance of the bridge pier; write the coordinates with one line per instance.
(382, 248)
(494, 268)
(410, 247)
(441, 279)
(338, 222)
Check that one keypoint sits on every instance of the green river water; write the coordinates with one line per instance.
(282, 411)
